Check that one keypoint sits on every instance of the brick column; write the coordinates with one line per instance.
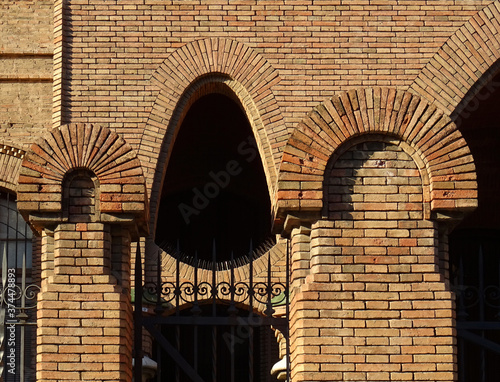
(82, 189)
(301, 305)
(375, 305)
(84, 314)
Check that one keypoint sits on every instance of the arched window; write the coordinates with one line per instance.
(15, 235)
(215, 188)
(215, 192)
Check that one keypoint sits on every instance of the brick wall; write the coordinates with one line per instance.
(370, 301)
(317, 49)
(26, 45)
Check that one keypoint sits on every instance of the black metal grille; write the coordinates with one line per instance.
(209, 330)
(475, 263)
(18, 293)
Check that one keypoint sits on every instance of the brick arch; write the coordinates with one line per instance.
(456, 70)
(249, 75)
(10, 165)
(82, 146)
(387, 139)
(209, 84)
(425, 129)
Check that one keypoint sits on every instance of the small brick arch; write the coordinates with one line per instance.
(428, 133)
(10, 165)
(456, 70)
(80, 202)
(249, 75)
(71, 147)
(399, 147)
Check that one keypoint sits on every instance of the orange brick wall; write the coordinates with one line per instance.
(317, 49)
(369, 245)
(26, 45)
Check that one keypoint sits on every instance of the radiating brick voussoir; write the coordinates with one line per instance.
(10, 165)
(460, 63)
(435, 142)
(251, 79)
(82, 146)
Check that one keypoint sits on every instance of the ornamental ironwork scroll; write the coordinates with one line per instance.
(176, 293)
(225, 311)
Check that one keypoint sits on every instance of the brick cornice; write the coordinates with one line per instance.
(431, 137)
(82, 146)
(456, 70)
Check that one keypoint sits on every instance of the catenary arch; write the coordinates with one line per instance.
(459, 70)
(427, 132)
(248, 74)
(214, 83)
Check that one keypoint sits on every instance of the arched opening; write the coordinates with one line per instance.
(80, 203)
(475, 243)
(215, 187)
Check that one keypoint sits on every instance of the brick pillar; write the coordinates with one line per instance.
(301, 305)
(82, 189)
(84, 314)
(85, 311)
(375, 305)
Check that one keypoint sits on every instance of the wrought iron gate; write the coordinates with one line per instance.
(476, 276)
(209, 312)
(18, 292)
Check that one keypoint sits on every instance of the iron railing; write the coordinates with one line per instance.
(209, 303)
(476, 279)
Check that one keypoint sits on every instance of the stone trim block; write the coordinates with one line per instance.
(10, 165)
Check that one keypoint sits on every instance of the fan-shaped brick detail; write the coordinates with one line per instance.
(440, 148)
(82, 146)
(10, 164)
(456, 69)
(250, 76)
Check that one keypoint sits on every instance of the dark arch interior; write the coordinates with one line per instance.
(215, 189)
(479, 123)
(475, 243)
